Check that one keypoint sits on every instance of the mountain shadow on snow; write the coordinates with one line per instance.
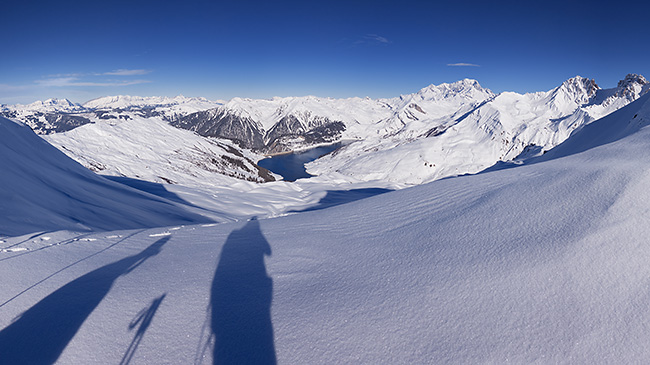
(151, 188)
(338, 197)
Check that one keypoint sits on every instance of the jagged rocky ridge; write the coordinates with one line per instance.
(289, 132)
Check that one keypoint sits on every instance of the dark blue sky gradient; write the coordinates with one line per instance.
(216, 49)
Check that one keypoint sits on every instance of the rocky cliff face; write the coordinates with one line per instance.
(223, 124)
(290, 132)
(632, 86)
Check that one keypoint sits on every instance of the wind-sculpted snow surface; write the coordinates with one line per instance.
(43, 189)
(543, 262)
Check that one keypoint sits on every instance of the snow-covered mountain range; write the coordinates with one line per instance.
(442, 130)
(422, 147)
(60, 115)
(284, 124)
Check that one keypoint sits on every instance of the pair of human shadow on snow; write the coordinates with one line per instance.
(40, 334)
(239, 311)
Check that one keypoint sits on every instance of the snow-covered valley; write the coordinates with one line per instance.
(540, 258)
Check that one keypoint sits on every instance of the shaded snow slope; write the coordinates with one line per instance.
(43, 189)
(544, 262)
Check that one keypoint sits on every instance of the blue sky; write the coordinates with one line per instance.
(85, 49)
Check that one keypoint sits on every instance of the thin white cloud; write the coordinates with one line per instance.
(94, 79)
(116, 83)
(463, 64)
(56, 81)
(74, 81)
(126, 72)
(117, 72)
(371, 39)
(11, 88)
(67, 75)
(377, 38)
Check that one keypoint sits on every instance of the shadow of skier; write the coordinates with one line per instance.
(41, 333)
(241, 300)
(144, 318)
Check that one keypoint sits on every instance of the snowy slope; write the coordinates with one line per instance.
(152, 150)
(42, 189)
(545, 262)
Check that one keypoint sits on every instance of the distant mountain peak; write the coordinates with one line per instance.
(632, 79)
(580, 85)
(57, 101)
(463, 88)
(125, 101)
(53, 104)
(457, 85)
(632, 86)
